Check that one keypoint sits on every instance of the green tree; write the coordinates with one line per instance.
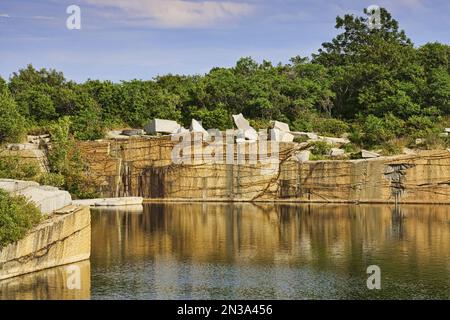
(12, 123)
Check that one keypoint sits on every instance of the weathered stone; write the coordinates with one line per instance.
(243, 125)
(132, 132)
(161, 126)
(59, 240)
(336, 152)
(281, 136)
(368, 154)
(282, 126)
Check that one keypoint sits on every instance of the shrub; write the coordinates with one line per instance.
(12, 167)
(65, 160)
(17, 216)
(331, 126)
(52, 179)
(320, 148)
(392, 147)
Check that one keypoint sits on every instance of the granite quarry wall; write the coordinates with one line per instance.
(62, 239)
(64, 236)
(142, 166)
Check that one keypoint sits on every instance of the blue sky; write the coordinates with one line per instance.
(139, 39)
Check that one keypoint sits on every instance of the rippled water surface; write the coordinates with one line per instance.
(245, 251)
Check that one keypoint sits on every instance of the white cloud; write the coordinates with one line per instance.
(4, 15)
(178, 13)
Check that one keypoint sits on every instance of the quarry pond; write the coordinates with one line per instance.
(256, 251)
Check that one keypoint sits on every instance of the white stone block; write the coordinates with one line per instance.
(47, 199)
(282, 126)
(243, 125)
(161, 126)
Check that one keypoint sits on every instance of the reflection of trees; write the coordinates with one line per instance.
(320, 234)
(397, 223)
(409, 244)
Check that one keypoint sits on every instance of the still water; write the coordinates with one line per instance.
(246, 251)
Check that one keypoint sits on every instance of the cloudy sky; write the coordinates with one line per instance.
(127, 39)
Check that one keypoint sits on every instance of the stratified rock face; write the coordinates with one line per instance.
(143, 167)
(60, 240)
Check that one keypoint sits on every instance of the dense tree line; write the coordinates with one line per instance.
(373, 84)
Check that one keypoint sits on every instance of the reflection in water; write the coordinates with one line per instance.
(206, 250)
(51, 284)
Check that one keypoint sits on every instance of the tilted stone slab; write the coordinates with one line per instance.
(197, 127)
(243, 125)
(282, 126)
(47, 199)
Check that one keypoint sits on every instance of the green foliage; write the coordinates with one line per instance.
(13, 167)
(52, 179)
(87, 125)
(320, 148)
(392, 147)
(12, 124)
(65, 160)
(213, 119)
(311, 121)
(17, 216)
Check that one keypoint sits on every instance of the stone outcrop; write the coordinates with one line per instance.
(63, 238)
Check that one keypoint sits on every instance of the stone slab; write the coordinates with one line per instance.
(110, 202)
(47, 199)
(161, 126)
